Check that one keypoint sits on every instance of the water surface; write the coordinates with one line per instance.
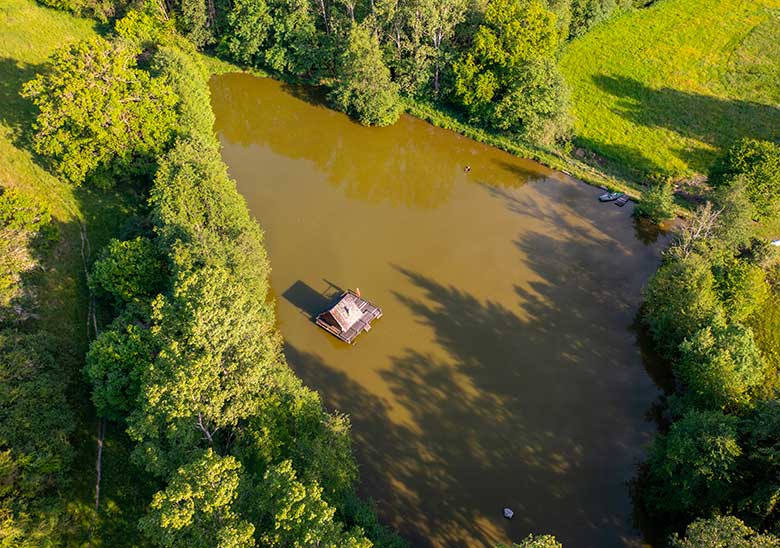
(505, 371)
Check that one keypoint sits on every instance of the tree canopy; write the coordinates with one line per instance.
(100, 116)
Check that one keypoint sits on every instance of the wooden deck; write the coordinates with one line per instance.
(348, 325)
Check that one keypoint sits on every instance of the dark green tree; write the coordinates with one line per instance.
(761, 439)
(128, 270)
(196, 21)
(36, 423)
(720, 367)
(196, 507)
(680, 299)
(249, 22)
(186, 74)
(299, 515)
(115, 362)
(363, 88)
(508, 78)
(741, 287)
(693, 468)
(294, 41)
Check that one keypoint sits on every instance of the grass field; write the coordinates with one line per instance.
(663, 90)
(29, 34)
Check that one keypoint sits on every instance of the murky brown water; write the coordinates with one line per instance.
(505, 371)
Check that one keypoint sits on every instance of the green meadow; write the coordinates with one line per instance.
(660, 92)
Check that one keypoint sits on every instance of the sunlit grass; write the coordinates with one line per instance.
(663, 90)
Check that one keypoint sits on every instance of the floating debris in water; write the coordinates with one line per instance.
(508, 513)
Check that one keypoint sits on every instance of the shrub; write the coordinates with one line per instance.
(758, 162)
(657, 204)
(128, 270)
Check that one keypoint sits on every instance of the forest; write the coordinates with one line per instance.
(181, 366)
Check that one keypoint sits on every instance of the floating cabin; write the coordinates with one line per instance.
(349, 317)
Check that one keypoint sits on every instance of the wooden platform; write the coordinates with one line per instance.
(349, 317)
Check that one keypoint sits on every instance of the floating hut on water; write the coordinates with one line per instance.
(349, 317)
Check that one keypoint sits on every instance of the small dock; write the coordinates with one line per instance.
(349, 317)
(623, 200)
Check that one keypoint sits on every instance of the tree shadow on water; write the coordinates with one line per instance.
(542, 411)
(534, 398)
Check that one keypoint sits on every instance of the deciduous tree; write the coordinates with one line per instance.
(723, 532)
(99, 115)
(196, 507)
(694, 466)
(363, 88)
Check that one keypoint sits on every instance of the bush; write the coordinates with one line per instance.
(21, 212)
(22, 222)
(758, 162)
(128, 270)
(657, 204)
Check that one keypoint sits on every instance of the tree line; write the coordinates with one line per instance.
(710, 311)
(492, 61)
(242, 452)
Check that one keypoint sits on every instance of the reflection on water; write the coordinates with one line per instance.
(505, 371)
(372, 164)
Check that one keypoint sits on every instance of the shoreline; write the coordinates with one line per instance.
(437, 117)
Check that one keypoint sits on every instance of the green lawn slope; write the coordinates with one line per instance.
(661, 91)
(29, 33)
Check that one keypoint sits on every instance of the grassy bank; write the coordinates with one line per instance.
(661, 92)
(30, 33)
(555, 159)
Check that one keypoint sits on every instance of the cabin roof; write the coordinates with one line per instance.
(348, 311)
(349, 317)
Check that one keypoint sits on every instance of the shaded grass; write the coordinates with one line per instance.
(30, 33)
(661, 92)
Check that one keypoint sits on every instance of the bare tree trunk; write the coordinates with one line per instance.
(212, 14)
(205, 430)
(437, 37)
(99, 462)
(324, 12)
(162, 7)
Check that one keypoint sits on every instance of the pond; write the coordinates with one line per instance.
(506, 370)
